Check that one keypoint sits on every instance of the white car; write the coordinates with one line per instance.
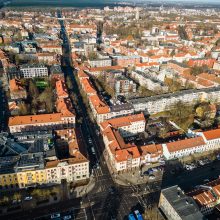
(67, 217)
(55, 215)
(28, 198)
(151, 177)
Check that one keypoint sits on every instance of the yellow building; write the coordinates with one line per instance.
(8, 180)
(31, 178)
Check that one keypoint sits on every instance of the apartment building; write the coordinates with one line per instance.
(17, 91)
(71, 169)
(51, 48)
(163, 102)
(100, 62)
(122, 156)
(38, 165)
(176, 205)
(87, 87)
(127, 125)
(182, 148)
(125, 61)
(100, 109)
(207, 196)
(148, 81)
(41, 122)
(28, 71)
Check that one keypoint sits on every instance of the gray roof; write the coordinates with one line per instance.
(184, 205)
(121, 107)
(7, 164)
(30, 161)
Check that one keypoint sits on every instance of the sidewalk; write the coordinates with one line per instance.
(83, 190)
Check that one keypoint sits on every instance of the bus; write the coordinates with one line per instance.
(138, 215)
(131, 217)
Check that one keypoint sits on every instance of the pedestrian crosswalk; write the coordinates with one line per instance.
(97, 172)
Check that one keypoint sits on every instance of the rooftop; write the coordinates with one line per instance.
(184, 205)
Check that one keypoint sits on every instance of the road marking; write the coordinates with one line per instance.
(85, 213)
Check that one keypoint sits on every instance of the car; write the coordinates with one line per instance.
(28, 198)
(146, 173)
(206, 180)
(67, 217)
(55, 215)
(151, 177)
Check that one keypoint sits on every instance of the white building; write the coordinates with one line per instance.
(70, 170)
(33, 71)
(155, 104)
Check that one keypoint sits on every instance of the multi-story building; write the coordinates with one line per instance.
(28, 71)
(155, 104)
(147, 80)
(176, 205)
(100, 62)
(71, 169)
(127, 126)
(125, 61)
(52, 49)
(182, 148)
(41, 122)
(17, 91)
(207, 196)
(38, 164)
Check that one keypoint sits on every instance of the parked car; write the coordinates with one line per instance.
(151, 177)
(67, 217)
(28, 198)
(206, 180)
(55, 215)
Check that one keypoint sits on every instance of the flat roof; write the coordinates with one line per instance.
(184, 205)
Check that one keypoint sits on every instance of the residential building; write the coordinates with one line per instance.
(127, 125)
(207, 196)
(40, 122)
(28, 71)
(158, 103)
(17, 91)
(176, 205)
(125, 61)
(100, 62)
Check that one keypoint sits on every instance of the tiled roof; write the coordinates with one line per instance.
(123, 121)
(185, 144)
(100, 106)
(212, 134)
(34, 119)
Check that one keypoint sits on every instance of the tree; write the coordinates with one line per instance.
(47, 97)
(182, 33)
(92, 56)
(16, 196)
(196, 70)
(23, 110)
(69, 82)
(33, 90)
